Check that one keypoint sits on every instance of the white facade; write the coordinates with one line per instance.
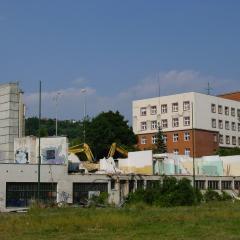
(174, 113)
(54, 150)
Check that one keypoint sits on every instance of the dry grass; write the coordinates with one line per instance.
(212, 221)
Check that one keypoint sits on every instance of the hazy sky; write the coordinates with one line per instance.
(117, 50)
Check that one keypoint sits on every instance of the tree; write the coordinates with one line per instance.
(101, 131)
(228, 151)
(160, 146)
(106, 128)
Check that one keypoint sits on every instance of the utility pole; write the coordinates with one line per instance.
(84, 114)
(193, 150)
(209, 88)
(56, 98)
(39, 140)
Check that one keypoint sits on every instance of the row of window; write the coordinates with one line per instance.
(164, 123)
(186, 137)
(164, 108)
(234, 126)
(229, 140)
(227, 110)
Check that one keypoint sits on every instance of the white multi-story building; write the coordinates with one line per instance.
(211, 121)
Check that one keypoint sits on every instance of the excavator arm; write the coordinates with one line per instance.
(82, 148)
(114, 147)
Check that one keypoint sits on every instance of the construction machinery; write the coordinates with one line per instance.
(82, 148)
(87, 161)
(114, 147)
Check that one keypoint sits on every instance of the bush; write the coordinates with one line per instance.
(170, 193)
(100, 200)
(211, 195)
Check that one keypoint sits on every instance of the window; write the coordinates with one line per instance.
(154, 139)
(175, 107)
(164, 123)
(165, 139)
(215, 138)
(154, 125)
(238, 113)
(175, 151)
(186, 106)
(233, 112)
(227, 111)
(143, 140)
(186, 121)
(213, 123)
(186, 136)
(213, 108)
(21, 194)
(220, 124)
(143, 126)
(227, 139)
(175, 137)
(175, 122)
(239, 127)
(187, 151)
(143, 111)
(164, 108)
(227, 125)
(234, 140)
(50, 154)
(220, 109)
(238, 141)
(233, 126)
(221, 139)
(153, 110)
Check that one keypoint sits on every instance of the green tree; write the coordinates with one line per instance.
(228, 151)
(160, 146)
(101, 131)
(106, 128)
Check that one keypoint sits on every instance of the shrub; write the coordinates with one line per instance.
(211, 195)
(100, 200)
(170, 193)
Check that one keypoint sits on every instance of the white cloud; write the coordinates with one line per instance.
(79, 81)
(171, 82)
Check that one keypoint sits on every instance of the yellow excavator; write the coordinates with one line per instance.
(114, 147)
(84, 148)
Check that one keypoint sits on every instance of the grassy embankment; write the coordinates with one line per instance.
(211, 221)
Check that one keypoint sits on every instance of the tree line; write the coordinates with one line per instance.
(100, 131)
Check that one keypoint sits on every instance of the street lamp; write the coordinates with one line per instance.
(84, 113)
(56, 98)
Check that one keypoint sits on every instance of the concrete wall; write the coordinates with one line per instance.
(11, 119)
(137, 162)
(54, 150)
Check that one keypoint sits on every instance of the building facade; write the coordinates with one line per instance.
(11, 119)
(191, 122)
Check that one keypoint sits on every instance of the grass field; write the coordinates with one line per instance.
(211, 221)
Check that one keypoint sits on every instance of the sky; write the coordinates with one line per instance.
(118, 51)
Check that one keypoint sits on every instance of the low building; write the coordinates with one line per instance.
(193, 123)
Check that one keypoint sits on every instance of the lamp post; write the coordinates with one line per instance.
(56, 98)
(39, 140)
(84, 113)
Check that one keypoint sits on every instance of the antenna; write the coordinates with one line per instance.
(209, 88)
